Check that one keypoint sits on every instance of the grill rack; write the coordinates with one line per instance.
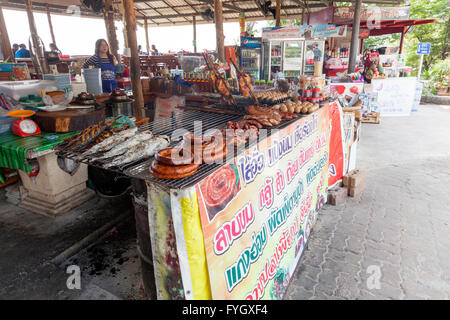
(183, 119)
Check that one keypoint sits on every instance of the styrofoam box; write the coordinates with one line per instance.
(21, 89)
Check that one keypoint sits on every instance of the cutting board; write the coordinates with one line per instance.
(69, 120)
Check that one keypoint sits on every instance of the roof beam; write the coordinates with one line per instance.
(225, 5)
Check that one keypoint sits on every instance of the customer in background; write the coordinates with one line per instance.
(54, 48)
(104, 60)
(15, 48)
(23, 52)
(155, 51)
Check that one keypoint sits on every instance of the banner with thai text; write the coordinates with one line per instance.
(257, 212)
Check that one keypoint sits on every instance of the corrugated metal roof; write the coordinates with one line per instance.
(179, 12)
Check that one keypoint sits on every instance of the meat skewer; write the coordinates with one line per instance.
(219, 82)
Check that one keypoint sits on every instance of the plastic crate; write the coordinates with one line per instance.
(5, 124)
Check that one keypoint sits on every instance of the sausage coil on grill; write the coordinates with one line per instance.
(174, 157)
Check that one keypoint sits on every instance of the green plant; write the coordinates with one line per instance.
(440, 73)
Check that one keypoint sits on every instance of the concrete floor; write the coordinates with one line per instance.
(392, 241)
(399, 228)
(109, 267)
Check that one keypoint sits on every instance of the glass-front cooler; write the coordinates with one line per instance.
(292, 58)
(251, 56)
(313, 57)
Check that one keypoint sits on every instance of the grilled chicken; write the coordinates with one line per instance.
(219, 82)
(245, 83)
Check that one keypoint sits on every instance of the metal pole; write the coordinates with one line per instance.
(355, 34)
(420, 67)
(194, 24)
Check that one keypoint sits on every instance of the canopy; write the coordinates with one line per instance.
(391, 26)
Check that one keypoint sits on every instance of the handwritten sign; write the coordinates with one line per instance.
(395, 95)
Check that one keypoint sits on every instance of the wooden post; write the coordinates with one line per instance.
(402, 37)
(50, 25)
(108, 15)
(194, 42)
(355, 35)
(278, 14)
(135, 66)
(361, 46)
(38, 49)
(147, 41)
(218, 19)
(6, 45)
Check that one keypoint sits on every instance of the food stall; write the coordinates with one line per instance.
(383, 69)
(225, 195)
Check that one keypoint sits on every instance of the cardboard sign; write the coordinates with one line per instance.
(390, 101)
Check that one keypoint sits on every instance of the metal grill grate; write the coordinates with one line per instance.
(141, 170)
(184, 119)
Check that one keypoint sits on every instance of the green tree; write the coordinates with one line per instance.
(438, 33)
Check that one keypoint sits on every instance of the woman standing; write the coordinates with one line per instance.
(104, 60)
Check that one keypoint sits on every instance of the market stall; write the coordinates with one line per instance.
(383, 70)
(233, 187)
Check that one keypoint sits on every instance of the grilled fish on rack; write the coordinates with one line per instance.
(112, 141)
(122, 147)
(143, 150)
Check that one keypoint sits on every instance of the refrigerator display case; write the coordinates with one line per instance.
(250, 58)
(292, 58)
(313, 57)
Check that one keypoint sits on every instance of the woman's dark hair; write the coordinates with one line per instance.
(98, 43)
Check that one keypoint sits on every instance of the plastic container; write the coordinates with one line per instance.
(93, 80)
(315, 92)
(20, 89)
(78, 87)
(5, 124)
(62, 80)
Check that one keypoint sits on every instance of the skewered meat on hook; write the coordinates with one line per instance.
(219, 82)
(245, 83)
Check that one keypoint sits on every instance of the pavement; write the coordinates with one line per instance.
(391, 241)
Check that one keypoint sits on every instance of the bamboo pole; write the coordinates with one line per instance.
(50, 25)
(147, 41)
(278, 14)
(110, 26)
(135, 67)
(6, 45)
(38, 49)
(218, 19)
